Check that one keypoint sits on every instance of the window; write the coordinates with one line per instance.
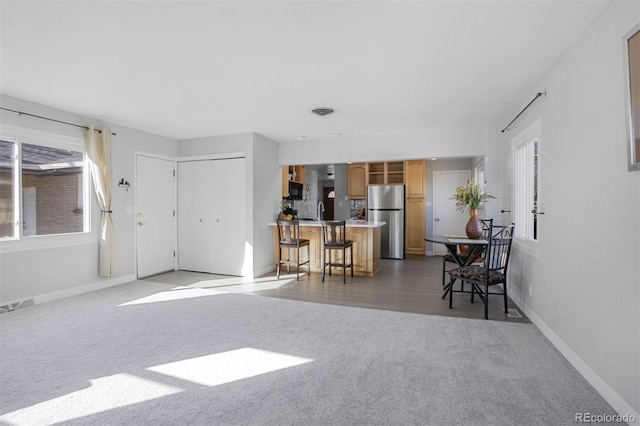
(478, 173)
(8, 166)
(526, 160)
(43, 190)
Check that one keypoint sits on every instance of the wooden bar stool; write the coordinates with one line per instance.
(289, 237)
(334, 238)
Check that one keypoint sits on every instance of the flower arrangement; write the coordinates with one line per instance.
(287, 211)
(285, 204)
(470, 196)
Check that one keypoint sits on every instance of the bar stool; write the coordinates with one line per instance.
(334, 238)
(289, 238)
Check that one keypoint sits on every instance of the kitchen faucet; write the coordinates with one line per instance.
(319, 210)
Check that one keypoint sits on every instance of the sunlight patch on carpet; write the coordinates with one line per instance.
(244, 285)
(226, 367)
(177, 293)
(104, 393)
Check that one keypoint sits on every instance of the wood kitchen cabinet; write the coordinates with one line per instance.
(415, 178)
(415, 207)
(357, 186)
(415, 226)
(297, 175)
(385, 173)
(366, 248)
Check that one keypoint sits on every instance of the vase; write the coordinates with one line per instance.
(474, 226)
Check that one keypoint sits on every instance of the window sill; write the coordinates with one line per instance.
(44, 242)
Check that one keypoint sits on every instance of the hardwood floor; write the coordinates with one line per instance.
(410, 285)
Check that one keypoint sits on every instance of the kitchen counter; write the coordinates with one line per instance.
(366, 246)
(350, 223)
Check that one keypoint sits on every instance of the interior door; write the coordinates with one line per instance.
(186, 216)
(212, 216)
(446, 219)
(210, 206)
(329, 203)
(155, 215)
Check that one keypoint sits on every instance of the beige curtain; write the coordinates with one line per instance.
(99, 152)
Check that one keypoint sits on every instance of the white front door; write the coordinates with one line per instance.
(446, 219)
(155, 215)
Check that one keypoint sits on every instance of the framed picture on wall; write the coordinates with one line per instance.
(632, 71)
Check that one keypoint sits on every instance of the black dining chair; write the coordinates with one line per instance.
(491, 272)
(289, 238)
(334, 237)
(464, 257)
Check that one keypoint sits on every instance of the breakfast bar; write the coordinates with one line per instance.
(366, 245)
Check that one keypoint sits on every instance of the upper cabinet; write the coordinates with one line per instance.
(357, 187)
(385, 173)
(415, 178)
(291, 173)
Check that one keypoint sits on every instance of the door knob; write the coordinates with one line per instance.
(141, 223)
(437, 219)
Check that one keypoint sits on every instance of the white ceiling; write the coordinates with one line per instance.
(192, 69)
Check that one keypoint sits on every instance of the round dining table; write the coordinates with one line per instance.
(475, 249)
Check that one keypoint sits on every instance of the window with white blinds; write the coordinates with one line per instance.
(526, 161)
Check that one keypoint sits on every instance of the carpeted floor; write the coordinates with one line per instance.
(148, 353)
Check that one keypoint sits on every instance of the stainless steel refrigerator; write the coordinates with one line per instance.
(386, 203)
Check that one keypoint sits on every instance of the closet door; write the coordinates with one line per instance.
(210, 203)
(212, 216)
(186, 216)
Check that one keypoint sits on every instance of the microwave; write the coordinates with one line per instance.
(295, 190)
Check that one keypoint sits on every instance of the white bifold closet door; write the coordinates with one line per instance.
(212, 216)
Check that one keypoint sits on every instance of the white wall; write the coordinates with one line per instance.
(341, 209)
(59, 270)
(583, 288)
(445, 142)
(267, 190)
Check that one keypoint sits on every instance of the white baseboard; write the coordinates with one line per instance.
(264, 271)
(609, 395)
(85, 288)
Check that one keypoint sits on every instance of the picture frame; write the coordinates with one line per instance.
(632, 84)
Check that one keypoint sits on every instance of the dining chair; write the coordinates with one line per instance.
(289, 238)
(464, 257)
(334, 237)
(491, 272)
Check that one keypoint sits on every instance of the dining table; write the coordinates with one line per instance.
(455, 244)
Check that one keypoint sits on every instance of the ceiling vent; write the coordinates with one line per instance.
(323, 111)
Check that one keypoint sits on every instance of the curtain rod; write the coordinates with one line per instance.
(524, 109)
(52, 119)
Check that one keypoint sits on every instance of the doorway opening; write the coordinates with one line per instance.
(328, 199)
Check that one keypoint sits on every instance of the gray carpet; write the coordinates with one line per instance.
(97, 359)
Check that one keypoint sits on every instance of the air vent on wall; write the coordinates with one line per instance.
(10, 307)
(323, 111)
